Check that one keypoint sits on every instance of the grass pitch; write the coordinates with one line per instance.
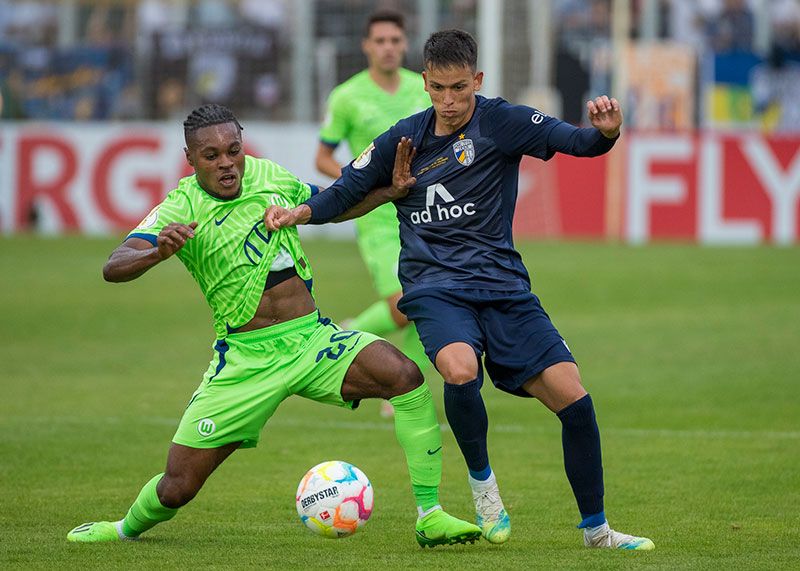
(692, 356)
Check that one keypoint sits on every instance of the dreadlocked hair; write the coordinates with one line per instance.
(208, 115)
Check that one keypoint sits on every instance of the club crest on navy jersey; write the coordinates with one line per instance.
(464, 150)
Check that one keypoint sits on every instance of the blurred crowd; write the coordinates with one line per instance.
(154, 59)
(96, 60)
(744, 56)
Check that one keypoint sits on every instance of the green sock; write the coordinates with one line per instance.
(376, 319)
(146, 511)
(417, 430)
(413, 349)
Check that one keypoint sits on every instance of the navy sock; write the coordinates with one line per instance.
(593, 520)
(466, 414)
(481, 475)
(583, 461)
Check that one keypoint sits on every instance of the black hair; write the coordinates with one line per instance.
(206, 116)
(390, 16)
(450, 48)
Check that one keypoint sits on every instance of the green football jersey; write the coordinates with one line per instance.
(359, 110)
(232, 252)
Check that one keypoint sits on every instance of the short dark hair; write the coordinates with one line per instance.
(390, 16)
(206, 116)
(450, 48)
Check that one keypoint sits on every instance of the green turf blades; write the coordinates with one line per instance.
(669, 348)
(440, 528)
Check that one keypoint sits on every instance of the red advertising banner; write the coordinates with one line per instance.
(706, 187)
(102, 178)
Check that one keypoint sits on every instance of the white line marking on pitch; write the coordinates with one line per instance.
(389, 426)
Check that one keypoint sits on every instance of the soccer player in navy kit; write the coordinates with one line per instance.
(464, 285)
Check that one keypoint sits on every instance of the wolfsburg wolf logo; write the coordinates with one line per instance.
(464, 151)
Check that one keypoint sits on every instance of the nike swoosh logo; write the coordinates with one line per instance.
(221, 220)
(433, 452)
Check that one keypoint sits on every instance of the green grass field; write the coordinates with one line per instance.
(692, 356)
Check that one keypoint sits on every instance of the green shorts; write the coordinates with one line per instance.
(379, 244)
(253, 372)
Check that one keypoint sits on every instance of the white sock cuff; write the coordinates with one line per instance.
(602, 528)
(422, 513)
(489, 482)
(122, 536)
(118, 525)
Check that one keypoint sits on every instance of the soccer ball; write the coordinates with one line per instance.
(334, 499)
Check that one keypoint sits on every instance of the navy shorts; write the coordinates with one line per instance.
(511, 328)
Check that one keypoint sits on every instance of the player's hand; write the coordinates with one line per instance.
(402, 181)
(277, 217)
(605, 115)
(173, 237)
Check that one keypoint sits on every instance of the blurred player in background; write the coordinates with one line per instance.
(359, 110)
(272, 342)
(464, 284)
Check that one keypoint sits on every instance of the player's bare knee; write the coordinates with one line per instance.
(409, 377)
(405, 377)
(459, 373)
(176, 492)
(457, 363)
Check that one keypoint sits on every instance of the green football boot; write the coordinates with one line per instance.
(440, 528)
(95, 532)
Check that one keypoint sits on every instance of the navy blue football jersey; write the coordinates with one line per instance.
(455, 223)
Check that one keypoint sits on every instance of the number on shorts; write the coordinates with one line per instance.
(342, 335)
(329, 352)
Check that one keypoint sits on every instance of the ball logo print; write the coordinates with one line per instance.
(334, 499)
(206, 427)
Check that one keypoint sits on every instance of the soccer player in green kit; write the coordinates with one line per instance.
(272, 342)
(359, 110)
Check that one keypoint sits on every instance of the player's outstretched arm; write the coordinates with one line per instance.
(135, 256)
(277, 217)
(402, 182)
(605, 115)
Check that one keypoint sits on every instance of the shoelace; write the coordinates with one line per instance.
(488, 504)
(611, 538)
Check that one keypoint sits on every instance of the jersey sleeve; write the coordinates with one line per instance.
(174, 208)
(303, 191)
(300, 191)
(521, 130)
(295, 190)
(335, 127)
(371, 169)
